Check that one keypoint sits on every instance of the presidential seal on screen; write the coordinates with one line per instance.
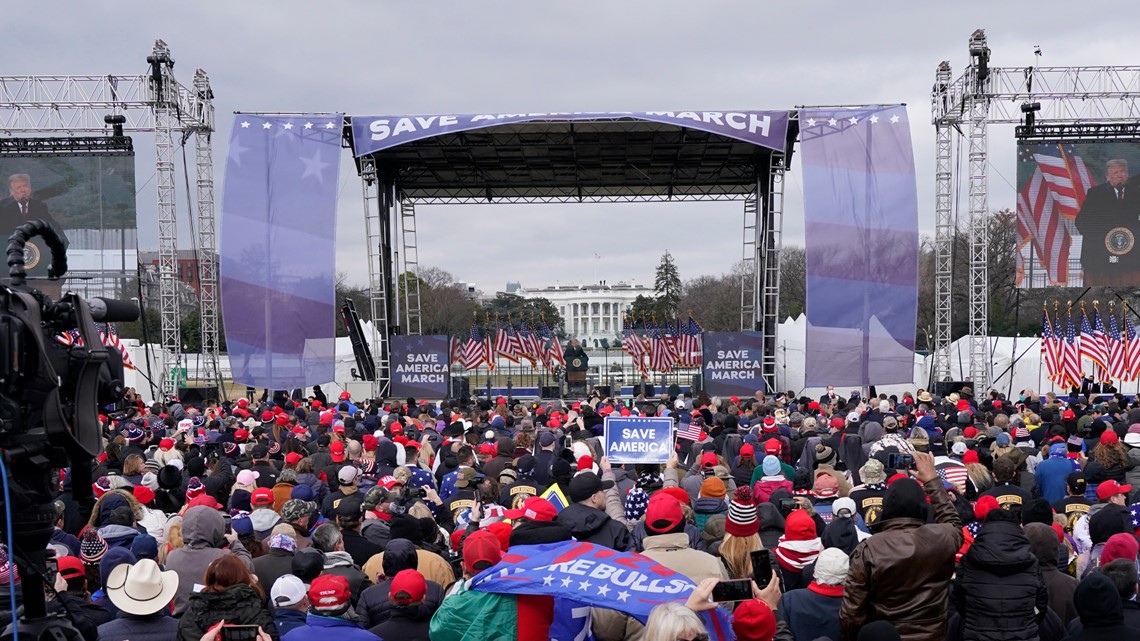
(1119, 241)
(32, 255)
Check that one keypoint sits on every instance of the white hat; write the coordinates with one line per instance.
(853, 417)
(141, 589)
(959, 448)
(1132, 439)
(884, 406)
(347, 474)
(287, 590)
(831, 567)
(679, 404)
(176, 462)
(843, 503)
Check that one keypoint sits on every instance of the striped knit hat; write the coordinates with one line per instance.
(743, 519)
(7, 567)
(92, 547)
(194, 488)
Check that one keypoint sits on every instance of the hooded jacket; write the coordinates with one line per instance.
(538, 532)
(272, 566)
(1061, 586)
(341, 564)
(771, 525)
(595, 526)
(203, 540)
(902, 574)
(696, 538)
(374, 607)
(407, 623)
(706, 508)
(155, 627)
(238, 605)
(999, 591)
(1101, 614)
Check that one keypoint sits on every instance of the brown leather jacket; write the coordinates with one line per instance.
(902, 574)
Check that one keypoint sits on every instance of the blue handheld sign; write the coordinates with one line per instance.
(639, 440)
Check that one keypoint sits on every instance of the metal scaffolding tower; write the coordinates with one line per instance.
(983, 96)
(413, 323)
(376, 223)
(772, 242)
(207, 240)
(150, 102)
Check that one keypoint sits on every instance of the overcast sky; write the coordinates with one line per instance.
(374, 57)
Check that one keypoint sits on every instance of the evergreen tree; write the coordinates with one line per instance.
(667, 287)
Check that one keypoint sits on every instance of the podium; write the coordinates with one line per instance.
(576, 382)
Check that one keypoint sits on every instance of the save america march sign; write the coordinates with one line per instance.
(638, 440)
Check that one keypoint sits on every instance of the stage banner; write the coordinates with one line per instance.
(420, 366)
(732, 363)
(376, 133)
(1077, 205)
(861, 212)
(638, 440)
(596, 576)
(277, 259)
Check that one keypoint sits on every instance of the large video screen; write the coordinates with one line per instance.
(90, 199)
(1078, 213)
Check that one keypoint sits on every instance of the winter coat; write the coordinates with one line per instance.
(410, 623)
(272, 566)
(264, 520)
(203, 535)
(374, 606)
(706, 508)
(360, 548)
(340, 564)
(771, 525)
(999, 592)
(120, 536)
(128, 627)
(813, 612)
(1061, 587)
(595, 526)
(763, 488)
(696, 538)
(319, 627)
(319, 487)
(238, 605)
(902, 574)
(538, 532)
(673, 551)
(81, 612)
(288, 620)
(429, 564)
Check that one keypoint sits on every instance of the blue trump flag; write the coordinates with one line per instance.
(861, 211)
(595, 576)
(277, 260)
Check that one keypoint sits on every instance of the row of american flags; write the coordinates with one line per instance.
(1075, 344)
(107, 334)
(661, 347)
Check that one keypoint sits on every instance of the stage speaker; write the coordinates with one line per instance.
(696, 387)
(197, 396)
(549, 391)
(604, 390)
(460, 387)
(945, 388)
(644, 388)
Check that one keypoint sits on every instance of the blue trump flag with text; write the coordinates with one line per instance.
(591, 575)
(861, 212)
(277, 259)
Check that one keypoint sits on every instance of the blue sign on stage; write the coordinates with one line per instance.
(639, 440)
(420, 366)
(733, 363)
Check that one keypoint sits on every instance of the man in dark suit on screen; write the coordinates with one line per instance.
(1109, 223)
(19, 208)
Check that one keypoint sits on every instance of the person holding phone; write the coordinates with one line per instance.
(901, 574)
(754, 619)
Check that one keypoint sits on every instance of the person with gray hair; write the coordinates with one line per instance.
(1109, 225)
(328, 539)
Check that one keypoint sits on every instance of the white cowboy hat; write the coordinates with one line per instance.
(141, 589)
(1132, 439)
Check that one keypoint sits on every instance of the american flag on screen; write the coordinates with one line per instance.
(1050, 348)
(1048, 203)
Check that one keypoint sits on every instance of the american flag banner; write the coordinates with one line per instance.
(1117, 350)
(1090, 347)
(1047, 205)
(1050, 348)
(632, 344)
(456, 352)
(689, 432)
(474, 353)
(505, 341)
(1070, 356)
(661, 358)
(689, 344)
(552, 351)
(1100, 335)
(1132, 347)
(108, 336)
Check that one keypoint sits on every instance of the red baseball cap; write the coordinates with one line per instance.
(300, 429)
(708, 459)
(747, 451)
(267, 416)
(344, 396)
(772, 446)
(408, 587)
(735, 400)
(534, 508)
(241, 435)
(370, 443)
(261, 496)
(481, 550)
(814, 405)
(293, 458)
(166, 444)
(396, 429)
(770, 424)
(663, 513)
(243, 402)
(143, 493)
(329, 593)
(205, 500)
(336, 448)
(1111, 488)
(70, 567)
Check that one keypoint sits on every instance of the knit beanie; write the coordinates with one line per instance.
(713, 488)
(194, 488)
(771, 466)
(7, 568)
(831, 567)
(635, 503)
(743, 519)
(92, 547)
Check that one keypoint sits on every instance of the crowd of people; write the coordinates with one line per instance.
(915, 517)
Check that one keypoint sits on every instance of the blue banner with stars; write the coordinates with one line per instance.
(277, 258)
(420, 366)
(733, 363)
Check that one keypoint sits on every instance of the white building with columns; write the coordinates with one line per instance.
(590, 312)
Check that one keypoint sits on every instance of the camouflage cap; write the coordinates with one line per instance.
(294, 509)
(374, 497)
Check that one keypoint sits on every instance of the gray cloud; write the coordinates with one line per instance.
(461, 57)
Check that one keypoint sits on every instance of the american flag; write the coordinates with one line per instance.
(506, 343)
(1049, 202)
(689, 432)
(1050, 348)
(1090, 347)
(953, 471)
(552, 350)
(661, 357)
(1070, 356)
(108, 336)
(528, 345)
(1100, 335)
(689, 344)
(1132, 347)
(1117, 356)
(633, 345)
(474, 351)
(456, 351)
